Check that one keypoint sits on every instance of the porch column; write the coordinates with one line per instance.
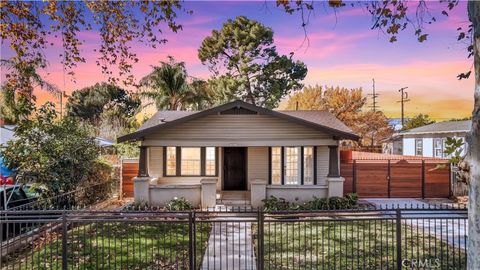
(142, 162)
(333, 166)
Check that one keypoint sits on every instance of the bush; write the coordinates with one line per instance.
(333, 203)
(349, 201)
(276, 204)
(57, 153)
(98, 185)
(179, 204)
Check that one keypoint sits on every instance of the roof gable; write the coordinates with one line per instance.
(164, 119)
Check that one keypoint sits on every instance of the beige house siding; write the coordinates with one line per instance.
(257, 164)
(322, 164)
(155, 164)
(238, 130)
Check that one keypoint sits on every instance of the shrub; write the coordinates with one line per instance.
(179, 204)
(98, 185)
(57, 153)
(333, 203)
(275, 204)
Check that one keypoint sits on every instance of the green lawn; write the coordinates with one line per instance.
(118, 245)
(352, 245)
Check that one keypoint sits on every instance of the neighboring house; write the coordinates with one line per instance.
(238, 147)
(6, 134)
(427, 141)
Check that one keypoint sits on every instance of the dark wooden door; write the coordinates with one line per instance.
(234, 168)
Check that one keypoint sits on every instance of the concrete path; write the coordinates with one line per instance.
(452, 231)
(230, 246)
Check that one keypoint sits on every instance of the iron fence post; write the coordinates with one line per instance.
(64, 241)
(389, 179)
(354, 176)
(398, 232)
(2, 238)
(260, 259)
(423, 178)
(191, 242)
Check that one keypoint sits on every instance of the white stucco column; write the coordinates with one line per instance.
(209, 192)
(141, 191)
(258, 192)
(335, 186)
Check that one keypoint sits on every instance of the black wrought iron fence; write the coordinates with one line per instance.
(433, 238)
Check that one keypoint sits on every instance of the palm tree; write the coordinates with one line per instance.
(167, 85)
(18, 102)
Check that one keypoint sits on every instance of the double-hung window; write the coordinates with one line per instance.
(438, 147)
(171, 160)
(292, 165)
(190, 161)
(276, 165)
(308, 165)
(210, 161)
(418, 147)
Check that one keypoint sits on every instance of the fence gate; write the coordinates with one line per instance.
(397, 178)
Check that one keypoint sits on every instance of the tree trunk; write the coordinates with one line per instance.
(473, 139)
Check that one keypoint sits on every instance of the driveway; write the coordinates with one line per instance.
(446, 225)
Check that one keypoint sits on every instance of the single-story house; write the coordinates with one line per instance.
(428, 140)
(238, 147)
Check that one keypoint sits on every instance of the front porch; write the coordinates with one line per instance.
(236, 175)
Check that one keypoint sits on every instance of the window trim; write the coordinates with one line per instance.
(302, 173)
(178, 163)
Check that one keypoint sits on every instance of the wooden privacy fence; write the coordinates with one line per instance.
(129, 171)
(397, 178)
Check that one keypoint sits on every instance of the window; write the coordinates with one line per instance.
(438, 148)
(292, 168)
(308, 165)
(288, 165)
(210, 161)
(418, 147)
(171, 157)
(276, 165)
(190, 161)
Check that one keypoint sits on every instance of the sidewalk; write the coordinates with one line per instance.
(230, 246)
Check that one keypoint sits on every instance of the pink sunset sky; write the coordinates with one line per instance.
(342, 51)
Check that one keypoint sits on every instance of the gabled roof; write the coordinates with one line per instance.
(323, 121)
(440, 127)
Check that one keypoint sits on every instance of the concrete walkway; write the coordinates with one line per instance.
(230, 245)
(452, 231)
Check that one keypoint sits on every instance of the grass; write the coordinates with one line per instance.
(359, 244)
(117, 245)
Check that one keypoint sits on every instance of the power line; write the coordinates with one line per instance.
(374, 97)
(403, 100)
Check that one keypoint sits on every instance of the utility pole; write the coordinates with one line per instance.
(374, 97)
(403, 99)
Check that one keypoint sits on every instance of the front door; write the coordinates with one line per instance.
(234, 168)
